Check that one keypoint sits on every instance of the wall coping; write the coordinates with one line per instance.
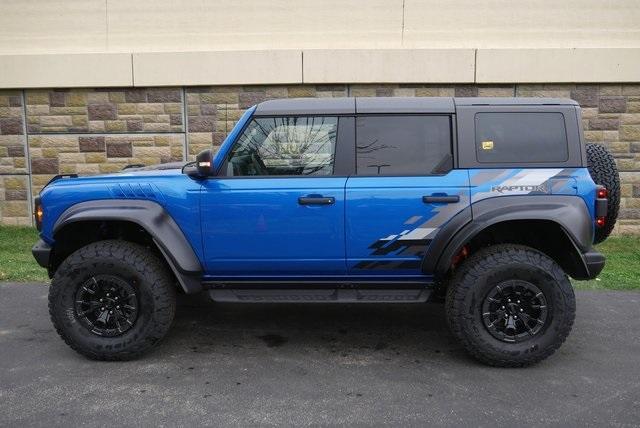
(319, 66)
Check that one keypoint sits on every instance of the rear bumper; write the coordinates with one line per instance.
(594, 262)
(42, 253)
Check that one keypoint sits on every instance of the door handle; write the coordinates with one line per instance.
(447, 199)
(316, 200)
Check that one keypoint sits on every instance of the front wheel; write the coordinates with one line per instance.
(510, 305)
(112, 300)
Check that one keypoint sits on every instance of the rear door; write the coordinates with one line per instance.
(404, 190)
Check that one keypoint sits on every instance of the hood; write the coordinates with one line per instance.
(158, 167)
(129, 172)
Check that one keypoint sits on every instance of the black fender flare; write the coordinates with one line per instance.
(569, 212)
(153, 218)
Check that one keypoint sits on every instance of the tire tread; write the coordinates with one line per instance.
(603, 171)
(469, 273)
(149, 267)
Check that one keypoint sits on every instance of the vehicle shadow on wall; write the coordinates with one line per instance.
(383, 331)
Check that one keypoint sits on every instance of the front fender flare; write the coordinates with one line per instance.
(152, 217)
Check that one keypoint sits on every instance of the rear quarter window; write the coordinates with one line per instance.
(403, 145)
(520, 137)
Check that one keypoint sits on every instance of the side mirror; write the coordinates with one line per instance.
(203, 164)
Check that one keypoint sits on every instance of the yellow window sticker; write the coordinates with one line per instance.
(487, 145)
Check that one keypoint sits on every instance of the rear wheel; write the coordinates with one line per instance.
(603, 171)
(510, 305)
(112, 300)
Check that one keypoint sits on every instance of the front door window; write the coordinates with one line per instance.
(303, 146)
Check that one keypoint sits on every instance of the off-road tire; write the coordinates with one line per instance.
(154, 288)
(603, 171)
(479, 274)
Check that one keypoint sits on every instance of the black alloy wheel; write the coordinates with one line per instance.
(514, 311)
(106, 305)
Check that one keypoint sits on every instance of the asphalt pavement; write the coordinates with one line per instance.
(292, 365)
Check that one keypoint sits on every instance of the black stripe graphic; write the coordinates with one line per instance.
(401, 246)
(388, 264)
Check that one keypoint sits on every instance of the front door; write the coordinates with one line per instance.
(278, 208)
(404, 190)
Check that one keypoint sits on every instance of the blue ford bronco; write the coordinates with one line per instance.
(487, 204)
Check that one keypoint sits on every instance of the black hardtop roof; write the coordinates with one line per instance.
(352, 105)
(513, 101)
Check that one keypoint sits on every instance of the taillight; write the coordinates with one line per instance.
(601, 206)
(38, 213)
(603, 193)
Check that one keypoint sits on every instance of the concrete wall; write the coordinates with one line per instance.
(106, 43)
(66, 26)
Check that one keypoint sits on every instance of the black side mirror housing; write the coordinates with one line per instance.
(203, 164)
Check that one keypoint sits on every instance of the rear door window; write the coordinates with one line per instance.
(520, 137)
(403, 145)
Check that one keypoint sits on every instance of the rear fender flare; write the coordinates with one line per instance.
(570, 212)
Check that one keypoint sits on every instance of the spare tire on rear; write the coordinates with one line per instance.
(603, 171)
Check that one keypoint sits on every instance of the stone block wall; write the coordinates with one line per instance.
(15, 205)
(92, 131)
(117, 110)
(14, 200)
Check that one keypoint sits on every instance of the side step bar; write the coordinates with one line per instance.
(320, 295)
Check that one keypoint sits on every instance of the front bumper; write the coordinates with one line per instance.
(594, 262)
(42, 253)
